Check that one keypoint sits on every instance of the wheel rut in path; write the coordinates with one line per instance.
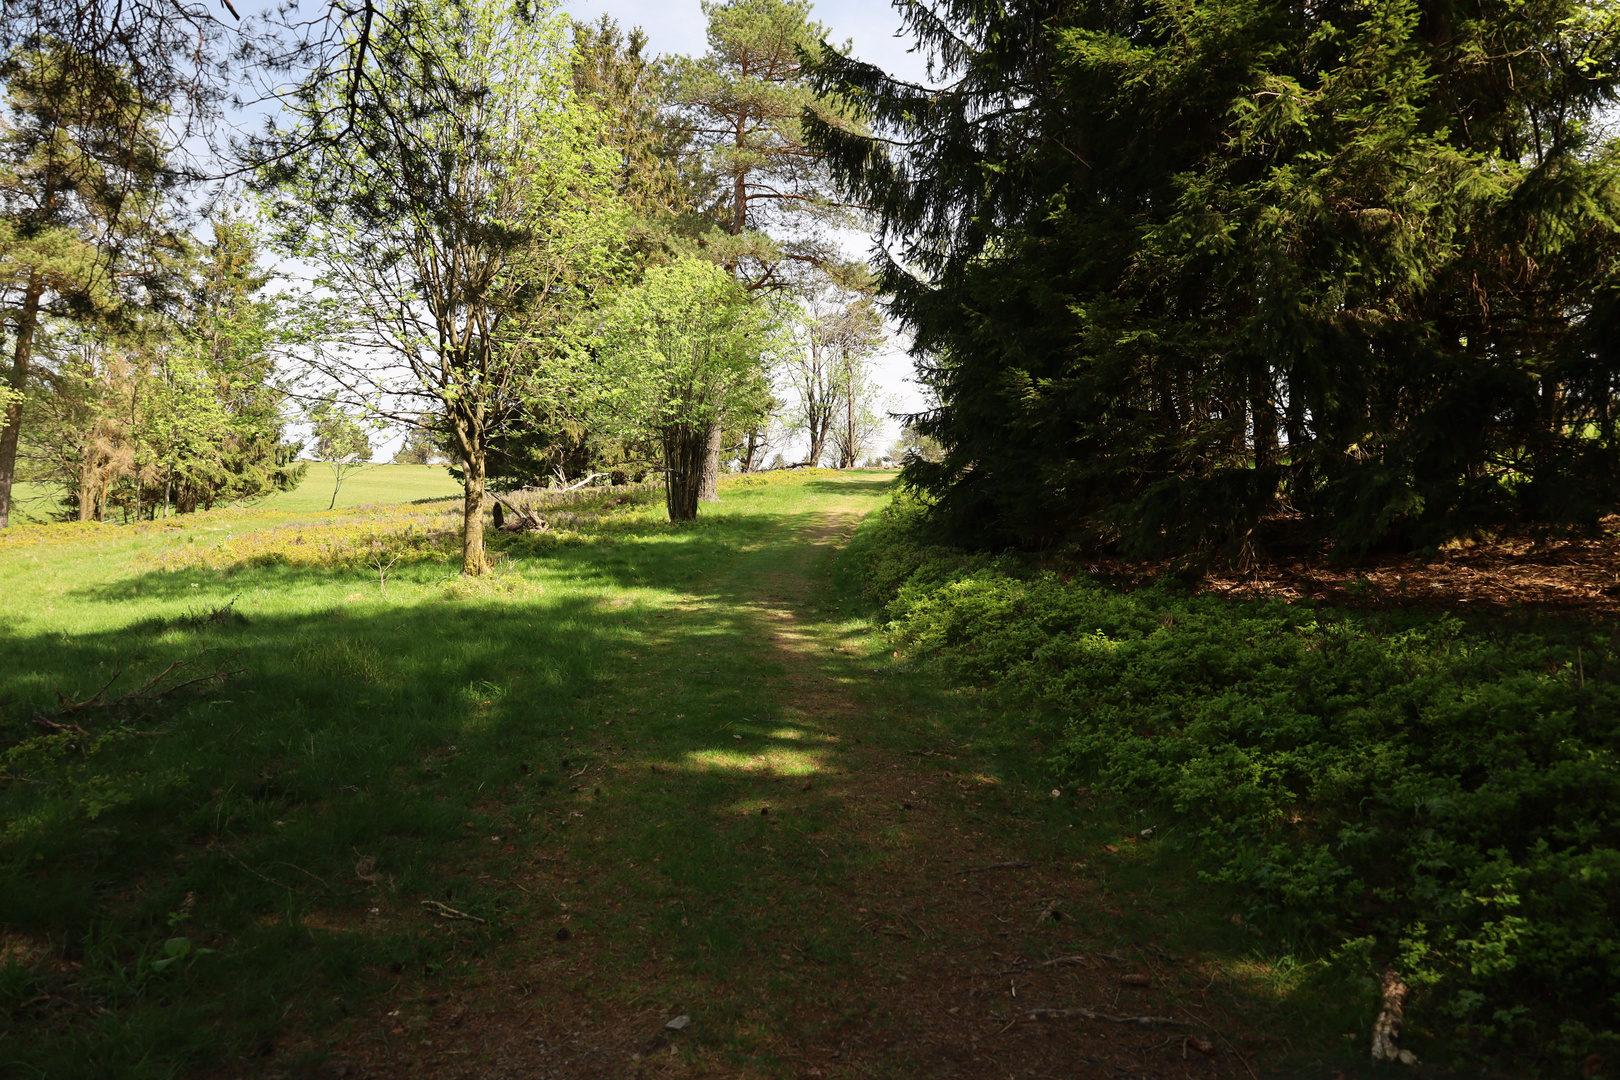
(924, 950)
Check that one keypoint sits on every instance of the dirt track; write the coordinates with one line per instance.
(945, 913)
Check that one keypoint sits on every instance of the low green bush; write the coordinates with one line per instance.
(1439, 795)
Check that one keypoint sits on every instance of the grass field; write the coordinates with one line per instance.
(368, 485)
(419, 826)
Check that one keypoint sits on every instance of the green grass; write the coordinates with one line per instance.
(33, 503)
(583, 741)
(360, 725)
(368, 485)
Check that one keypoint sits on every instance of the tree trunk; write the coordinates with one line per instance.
(818, 440)
(87, 483)
(685, 450)
(709, 489)
(849, 407)
(27, 318)
(473, 561)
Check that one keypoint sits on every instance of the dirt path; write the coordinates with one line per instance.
(904, 913)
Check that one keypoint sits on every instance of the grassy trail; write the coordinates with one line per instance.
(514, 830)
(821, 885)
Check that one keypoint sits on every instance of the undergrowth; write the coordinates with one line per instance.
(1400, 789)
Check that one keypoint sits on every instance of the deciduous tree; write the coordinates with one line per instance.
(677, 351)
(457, 228)
(340, 441)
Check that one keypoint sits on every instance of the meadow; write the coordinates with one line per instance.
(285, 795)
(365, 485)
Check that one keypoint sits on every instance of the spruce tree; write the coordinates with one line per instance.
(1176, 271)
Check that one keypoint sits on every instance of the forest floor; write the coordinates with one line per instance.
(1508, 575)
(653, 801)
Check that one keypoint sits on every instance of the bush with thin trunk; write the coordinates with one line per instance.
(686, 346)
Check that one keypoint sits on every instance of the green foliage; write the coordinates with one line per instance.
(459, 212)
(630, 93)
(1176, 269)
(1442, 792)
(419, 448)
(83, 171)
(338, 436)
(677, 352)
(743, 103)
(179, 408)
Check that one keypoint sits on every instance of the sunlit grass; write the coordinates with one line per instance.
(363, 724)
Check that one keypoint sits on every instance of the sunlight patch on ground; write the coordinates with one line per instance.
(778, 761)
(800, 735)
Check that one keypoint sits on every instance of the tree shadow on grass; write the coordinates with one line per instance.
(855, 485)
(592, 755)
(410, 733)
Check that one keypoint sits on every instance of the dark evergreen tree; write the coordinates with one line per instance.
(1177, 270)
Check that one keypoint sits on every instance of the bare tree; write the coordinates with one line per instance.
(811, 379)
(853, 334)
(829, 377)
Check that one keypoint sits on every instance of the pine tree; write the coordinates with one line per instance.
(744, 103)
(83, 170)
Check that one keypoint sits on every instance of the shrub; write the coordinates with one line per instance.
(1450, 792)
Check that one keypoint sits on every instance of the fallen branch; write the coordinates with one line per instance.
(448, 912)
(148, 692)
(578, 483)
(997, 866)
(225, 852)
(306, 873)
(1138, 1021)
(1073, 960)
(528, 520)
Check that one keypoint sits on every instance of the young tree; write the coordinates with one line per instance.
(828, 373)
(79, 437)
(680, 350)
(809, 373)
(340, 441)
(418, 448)
(458, 227)
(221, 365)
(853, 334)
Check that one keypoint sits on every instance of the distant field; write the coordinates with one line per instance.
(31, 503)
(366, 485)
